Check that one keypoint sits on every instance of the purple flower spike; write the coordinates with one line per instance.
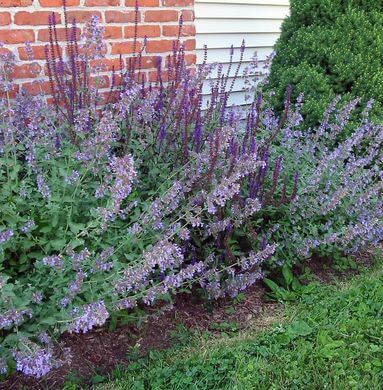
(5, 235)
(94, 314)
(36, 363)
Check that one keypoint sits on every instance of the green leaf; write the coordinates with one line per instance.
(299, 328)
(287, 274)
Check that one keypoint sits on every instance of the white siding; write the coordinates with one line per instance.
(222, 23)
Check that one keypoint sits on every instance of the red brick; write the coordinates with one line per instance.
(142, 31)
(5, 18)
(159, 46)
(113, 32)
(15, 3)
(97, 3)
(106, 64)
(17, 36)
(189, 44)
(177, 3)
(82, 16)
(147, 62)
(121, 17)
(161, 16)
(172, 31)
(4, 51)
(142, 3)
(58, 3)
(26, 71)
(35, 87)
(43, 35)
(187, 15)
(34, 18)
(38, 53)
(190, 59)
(124, 47)
(153, 76)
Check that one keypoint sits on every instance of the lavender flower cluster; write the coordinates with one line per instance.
(93, 314)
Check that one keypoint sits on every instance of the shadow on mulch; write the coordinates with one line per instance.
(100, 351)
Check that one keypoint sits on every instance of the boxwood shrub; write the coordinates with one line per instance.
(329, 48)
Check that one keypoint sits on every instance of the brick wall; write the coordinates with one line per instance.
(27, 20)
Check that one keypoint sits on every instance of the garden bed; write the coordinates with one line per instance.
(98, 353)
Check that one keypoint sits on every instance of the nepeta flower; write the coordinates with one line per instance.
(123, 174)
(75, 286)
(44, 338)
(3, 367)
(184, 234)
(127, 303)
(93, 34)
(79, 258)
(37, 297)
(101, 265)
(164, 255)
(93, 314)
(54, 261)
(5, 235)
(256, 258)
(97, 146)
(14, 317)
(72, 178)
(43, 187)
(241, 282)
(64, 302)
(35, 363)
(28, 226)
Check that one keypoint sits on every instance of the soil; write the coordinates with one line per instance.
(100, 351)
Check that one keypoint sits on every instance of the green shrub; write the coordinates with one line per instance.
(330, 48)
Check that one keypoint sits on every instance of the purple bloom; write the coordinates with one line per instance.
(72, 178)
(43, 187)
(5, 235)
(164, 255)
(36, 363)
(79, 258)
(184, 234)
(64, 302)
(14, 317)
(241, 282)
(44, 338)
(101, 265)
(93, 39)
(128, 303)
(37, 297)
(53, 261)
(123, 173)
(75, 286)
(28, 226)
(93, 314)
(3, 367)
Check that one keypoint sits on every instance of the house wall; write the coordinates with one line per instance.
(27, 20)
(221, 23)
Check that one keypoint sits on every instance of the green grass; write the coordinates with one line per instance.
(332, 338)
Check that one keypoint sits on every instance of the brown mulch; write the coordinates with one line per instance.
(100, 351)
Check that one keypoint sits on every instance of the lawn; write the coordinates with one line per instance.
(331, 338)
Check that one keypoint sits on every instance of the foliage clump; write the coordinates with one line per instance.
(330, 48)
